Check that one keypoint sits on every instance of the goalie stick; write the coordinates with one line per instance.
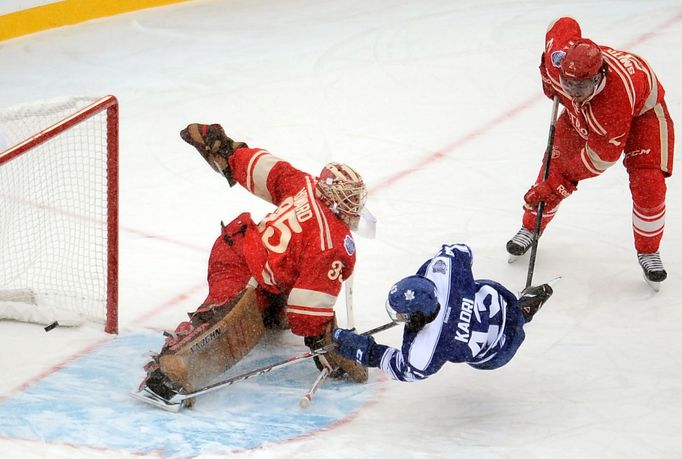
(305, 401)
(178, 400)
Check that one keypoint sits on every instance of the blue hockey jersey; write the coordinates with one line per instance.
(479, 322)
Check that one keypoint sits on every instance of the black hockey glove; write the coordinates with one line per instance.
(213, 145)
(315, 343)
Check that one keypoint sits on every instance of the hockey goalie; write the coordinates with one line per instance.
(285, 271)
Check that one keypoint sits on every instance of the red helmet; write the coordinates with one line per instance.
(582, 71)
(583, 60)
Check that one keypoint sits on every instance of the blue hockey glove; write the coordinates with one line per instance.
(353, 346)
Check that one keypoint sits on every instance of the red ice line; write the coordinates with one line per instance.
(385, 183)
(436, 156)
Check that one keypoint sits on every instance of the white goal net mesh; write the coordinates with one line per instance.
(54, 207)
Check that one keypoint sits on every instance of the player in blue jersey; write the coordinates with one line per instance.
(449, 317)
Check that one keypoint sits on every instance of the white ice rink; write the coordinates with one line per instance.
(438, 104)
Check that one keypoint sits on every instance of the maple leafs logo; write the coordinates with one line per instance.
(409, 295)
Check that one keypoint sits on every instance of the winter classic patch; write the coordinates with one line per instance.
(349, 245)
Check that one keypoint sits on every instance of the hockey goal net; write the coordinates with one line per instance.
(59, 211)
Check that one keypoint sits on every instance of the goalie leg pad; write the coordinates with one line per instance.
(195, 362)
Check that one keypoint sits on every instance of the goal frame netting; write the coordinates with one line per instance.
(108, 104)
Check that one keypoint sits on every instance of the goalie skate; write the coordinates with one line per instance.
(150, 398)
(207, 351)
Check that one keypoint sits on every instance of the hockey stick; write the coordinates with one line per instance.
(541, 206)
(350, 317)
(305, 401)
(179, 397)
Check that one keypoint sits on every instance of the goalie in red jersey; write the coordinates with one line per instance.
(614, 107)
(284, 271)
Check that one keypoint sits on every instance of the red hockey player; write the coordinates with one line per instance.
(291, 264)
(614, 107)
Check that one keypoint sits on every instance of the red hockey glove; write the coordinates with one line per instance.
(213, 145)
(551, 191)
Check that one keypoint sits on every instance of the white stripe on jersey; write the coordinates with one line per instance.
(663, 132)
(592, 121)
(268, 275)
(387, 368)
(653, 85)
(310, 299)
(622, 72)
(259, 167)
(593, 162)
(424, 345)
(326, 242)
(307, 312)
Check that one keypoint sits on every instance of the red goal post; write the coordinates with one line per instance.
(59, 210)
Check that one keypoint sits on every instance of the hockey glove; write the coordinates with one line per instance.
(547, 87)
(552, 191)
(355, 347)
(213, 145)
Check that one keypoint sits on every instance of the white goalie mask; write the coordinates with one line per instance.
(344, 191)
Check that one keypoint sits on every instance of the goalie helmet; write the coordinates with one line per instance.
(413, 300)
(582, 70)
(344, 191)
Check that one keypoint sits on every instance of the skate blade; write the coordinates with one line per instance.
(512, 258)
(656, 286)
(554, 281)
(149, 398)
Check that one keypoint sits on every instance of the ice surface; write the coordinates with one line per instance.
(438, 104)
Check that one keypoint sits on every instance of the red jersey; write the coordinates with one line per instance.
(631, 89)
(302, 248)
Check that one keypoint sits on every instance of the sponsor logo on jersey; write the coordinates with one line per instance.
(637, 152)
(440, 267)
(557, 57)
(349, 245)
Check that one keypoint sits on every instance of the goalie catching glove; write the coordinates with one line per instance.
(213, 145)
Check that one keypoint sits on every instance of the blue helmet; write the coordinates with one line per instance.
(413, 300)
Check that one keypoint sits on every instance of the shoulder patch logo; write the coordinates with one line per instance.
(349, 245)
(557, 57)
(439, 267)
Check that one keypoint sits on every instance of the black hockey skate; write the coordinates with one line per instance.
(532, 298)
(654, 272)
(519, 244)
